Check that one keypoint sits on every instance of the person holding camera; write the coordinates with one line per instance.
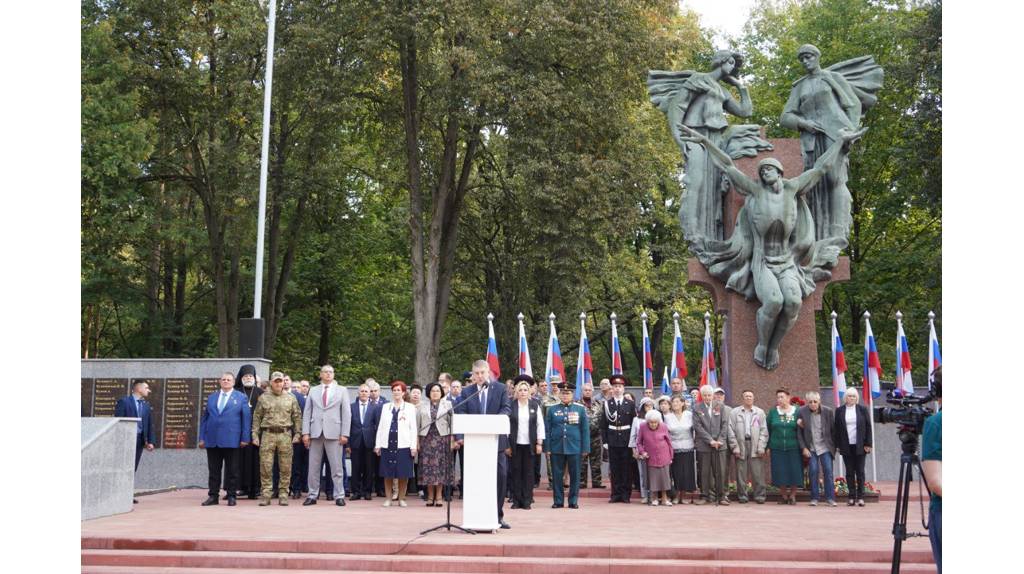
(931, 464)
(852, 434)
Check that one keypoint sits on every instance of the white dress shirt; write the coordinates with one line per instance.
(851, 424)
(523, 430)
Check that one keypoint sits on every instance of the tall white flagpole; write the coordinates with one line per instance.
(257, 300)
(835, 394)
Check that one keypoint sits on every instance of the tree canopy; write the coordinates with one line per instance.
(434, 162)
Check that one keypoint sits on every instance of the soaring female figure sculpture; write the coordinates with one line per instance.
(698, 101)
(772, 253)
(821, 104)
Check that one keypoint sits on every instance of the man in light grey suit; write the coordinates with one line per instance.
(326, 421)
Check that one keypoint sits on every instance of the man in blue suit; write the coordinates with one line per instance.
(224, 429)
(363, 435)
(486, 397)
(135, 406)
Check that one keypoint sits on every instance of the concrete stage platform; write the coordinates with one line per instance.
(171, 533)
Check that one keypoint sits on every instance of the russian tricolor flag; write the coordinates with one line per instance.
(678, 352)
(707, 360)
(554, 362)
(872, 366)
(904, 383)
(838, 364)
(666, 388)
(584, 365)
(648, 361)
(492, 349)
(525, 367)
(934, 356)
(616, 350)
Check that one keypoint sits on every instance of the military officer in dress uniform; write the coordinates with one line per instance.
(276, 425)
(616, 422)
(568, 437)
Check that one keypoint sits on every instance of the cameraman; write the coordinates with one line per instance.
(931, 463)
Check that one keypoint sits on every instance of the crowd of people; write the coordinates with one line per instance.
(289, 440)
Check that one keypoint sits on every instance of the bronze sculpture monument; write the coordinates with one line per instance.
(789, 232)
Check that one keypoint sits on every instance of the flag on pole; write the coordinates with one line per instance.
(707, 360)
(904, 384)
(616, 350)
(934, 356)
(584, 366)
(554, 362)
(678, 352)
(838, 364)
(872, 366)
(666, 389)
(648, 361)
(525, 367)
(492, 349)
(872, 388)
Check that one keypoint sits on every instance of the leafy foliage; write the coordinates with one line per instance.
(571, 186)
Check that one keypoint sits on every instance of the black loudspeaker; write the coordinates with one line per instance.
(250, 338)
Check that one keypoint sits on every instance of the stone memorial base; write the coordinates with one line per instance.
(108, 464)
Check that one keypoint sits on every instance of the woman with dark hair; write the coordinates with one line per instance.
(248, 383)
(435, 442)
(413, 397)
(852, 433)
(396, 442)
(526, 439)
(784, 448)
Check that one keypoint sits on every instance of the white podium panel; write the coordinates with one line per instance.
(480, 471)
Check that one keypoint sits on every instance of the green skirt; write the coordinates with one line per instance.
(787, 468)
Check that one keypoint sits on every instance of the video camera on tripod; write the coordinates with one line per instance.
(908, 411)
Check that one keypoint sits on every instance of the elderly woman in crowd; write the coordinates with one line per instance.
(654, 446)
(396, 442)
(787, 468)
(646, 405)
(679, 423)
(435, 442)
(664, 405)
(525, 439)
(816, 423)
(852, 434)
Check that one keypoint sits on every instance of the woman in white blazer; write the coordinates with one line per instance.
(396, 442)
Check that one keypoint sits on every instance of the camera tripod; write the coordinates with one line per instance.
(908, 462)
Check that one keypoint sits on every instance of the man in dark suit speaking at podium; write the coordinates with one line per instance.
(491, 400)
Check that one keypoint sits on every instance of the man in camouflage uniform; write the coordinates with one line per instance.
(593, 458)
(276, 424)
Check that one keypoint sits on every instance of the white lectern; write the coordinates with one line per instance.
(480, 470)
